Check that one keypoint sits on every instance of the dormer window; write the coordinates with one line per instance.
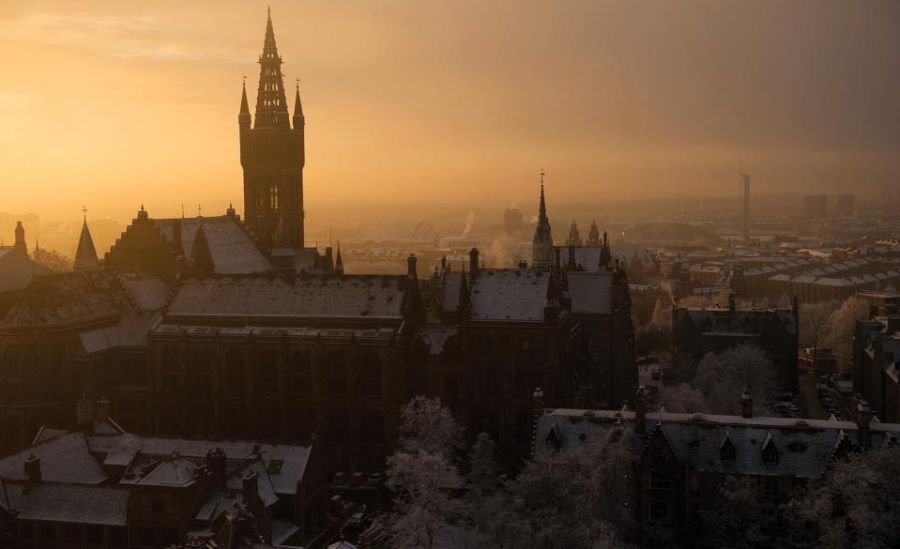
(554, 439)
(727, 451)
(770, 452)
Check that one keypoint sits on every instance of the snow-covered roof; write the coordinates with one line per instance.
(591, 293)
(509, 294)
(51, 502)
(65, 457)
(805, 446)
(232, 250)
(350, 296)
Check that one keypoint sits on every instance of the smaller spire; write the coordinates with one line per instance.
(245, 105)
(605, 252)
(339, 263)
(298, 105)
(86, 254)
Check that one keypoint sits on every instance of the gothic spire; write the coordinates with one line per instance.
(271, 104)
(86, 254)
(605, 253)
(339, 263)
(245, 107)
(298, 107)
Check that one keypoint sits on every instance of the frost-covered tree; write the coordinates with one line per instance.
(814, 322)
(841, 326)
(856, 505)
(427, 424)
(423, 474)
(682, 399)
(737, 517)
(722, 378)
(483, 467)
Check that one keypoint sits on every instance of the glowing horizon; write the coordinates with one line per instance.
(117, 104)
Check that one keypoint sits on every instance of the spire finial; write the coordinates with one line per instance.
(199, 211)
(84, 212)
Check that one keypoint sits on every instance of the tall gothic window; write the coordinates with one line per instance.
(273, 197)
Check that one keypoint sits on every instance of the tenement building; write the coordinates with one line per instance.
(876, 363)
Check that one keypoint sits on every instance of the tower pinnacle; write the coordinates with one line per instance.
(271, 104)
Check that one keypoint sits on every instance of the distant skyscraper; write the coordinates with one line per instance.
(846, 205)
(815, 206)
(745, 204)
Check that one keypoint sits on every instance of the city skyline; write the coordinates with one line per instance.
(138, 103)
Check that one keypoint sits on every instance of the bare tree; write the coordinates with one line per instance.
(52, 260)
(841, 325)
(814, 323)
(427, 424)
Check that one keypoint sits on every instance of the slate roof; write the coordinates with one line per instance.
(232, 250)
(68, 298)
(360, 297)
(130, 331)
(741, 321)
(591, 292)
(17, 271)
(588, 257)
(804, 446)
(65, 503)
(509, 295)
(65, 457)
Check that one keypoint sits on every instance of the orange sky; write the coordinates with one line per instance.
(122, 102)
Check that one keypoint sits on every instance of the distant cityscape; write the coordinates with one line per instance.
(692, 372)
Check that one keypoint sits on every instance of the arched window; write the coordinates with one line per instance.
(770, 452)
(727, 451)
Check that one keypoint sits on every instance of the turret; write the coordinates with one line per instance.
(19, 246)
(86, 254)
(244, 115)
(299, 120)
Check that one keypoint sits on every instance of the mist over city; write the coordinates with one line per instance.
(366, 275)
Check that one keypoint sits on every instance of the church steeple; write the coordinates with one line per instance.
(542, 245)
(271, 104)
(299, 120)
(86, 254)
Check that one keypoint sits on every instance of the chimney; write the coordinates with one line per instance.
(473, 261)
(19, 244)
(411, 266)
(251, 490)
(746, 403)
(640, 410)
(443, 263)
(32, 470)
(216, 461)
(101, 410)
(863, 419)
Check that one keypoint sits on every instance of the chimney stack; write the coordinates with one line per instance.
(473, 261)
(32, 470)
(863, 420)
(411, 266)
(538, 400)
(216, 461)
(101, 410)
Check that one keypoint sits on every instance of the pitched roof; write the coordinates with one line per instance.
(65, 457)
(591, 293)
(85, 254)
(805, 446)
(509, 294)
(361, 297)
(66, 298)
(738, 322)
(231, 249)
(50, 502)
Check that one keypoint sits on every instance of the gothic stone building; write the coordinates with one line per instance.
(697, 331)
(681, 460)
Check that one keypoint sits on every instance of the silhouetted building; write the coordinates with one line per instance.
(696, 332)
(593, 238)
(682, 460)
(542, 246)
(574, 238)
(745, 205)
(876, 362)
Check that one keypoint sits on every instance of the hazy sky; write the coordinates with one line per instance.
(122, 102)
